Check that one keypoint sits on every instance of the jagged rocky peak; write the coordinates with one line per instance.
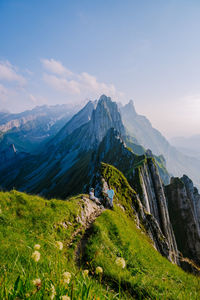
(184, 210)
(130, 108)
(193, 195)
(105, 116)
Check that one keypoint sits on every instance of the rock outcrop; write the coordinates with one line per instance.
(150, 188)
(183, 204)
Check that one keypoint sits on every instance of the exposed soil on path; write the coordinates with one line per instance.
(88, 215)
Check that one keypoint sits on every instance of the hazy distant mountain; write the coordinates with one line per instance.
(29, 129)
(177, 162)
(188, 145)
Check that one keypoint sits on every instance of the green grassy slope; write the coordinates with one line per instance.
(27, 220)
(147, 274)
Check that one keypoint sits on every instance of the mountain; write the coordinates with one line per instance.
(64, 165)
(51, 171)
(82, 117)
(176, 162)
(30, 129)
(139, 245)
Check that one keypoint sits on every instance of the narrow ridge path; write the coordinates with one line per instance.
(93, 212)
(89, 213)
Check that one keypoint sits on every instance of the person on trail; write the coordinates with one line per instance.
(92, 196)
(110, 194)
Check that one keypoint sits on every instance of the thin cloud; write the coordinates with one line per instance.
(55, 67)
(62, 84)
(9, 73)
(83, 84)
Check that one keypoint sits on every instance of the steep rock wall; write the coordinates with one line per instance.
(154, 200)
(183, 204)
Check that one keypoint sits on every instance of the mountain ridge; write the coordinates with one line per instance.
(149, 137)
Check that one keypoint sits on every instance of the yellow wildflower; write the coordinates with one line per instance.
(59, 245)
(67, 277)
(120, 262)
(99, 270)
(37, 247)
(36, 256)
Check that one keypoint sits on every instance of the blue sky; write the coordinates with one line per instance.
(60, 51)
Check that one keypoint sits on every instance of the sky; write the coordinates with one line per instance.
(62, 51)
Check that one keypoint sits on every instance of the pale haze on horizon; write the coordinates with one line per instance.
(55, 52)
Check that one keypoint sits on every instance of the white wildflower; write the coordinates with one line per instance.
(85, 273)
(36, 256)
(65, 298)
(59, 245)
(37, 247)
(53, 292)
(67, 277)
(120, 262)
(99, 270)
(37, 282)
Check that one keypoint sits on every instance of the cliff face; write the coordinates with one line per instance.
(183, 204)
(194, 197)
(150, 187)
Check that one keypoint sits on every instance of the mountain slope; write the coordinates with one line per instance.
(38, 221)
(147, 275)
(177, 163)
(28, 220)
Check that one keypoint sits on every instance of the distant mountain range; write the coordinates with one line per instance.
(27, 130)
